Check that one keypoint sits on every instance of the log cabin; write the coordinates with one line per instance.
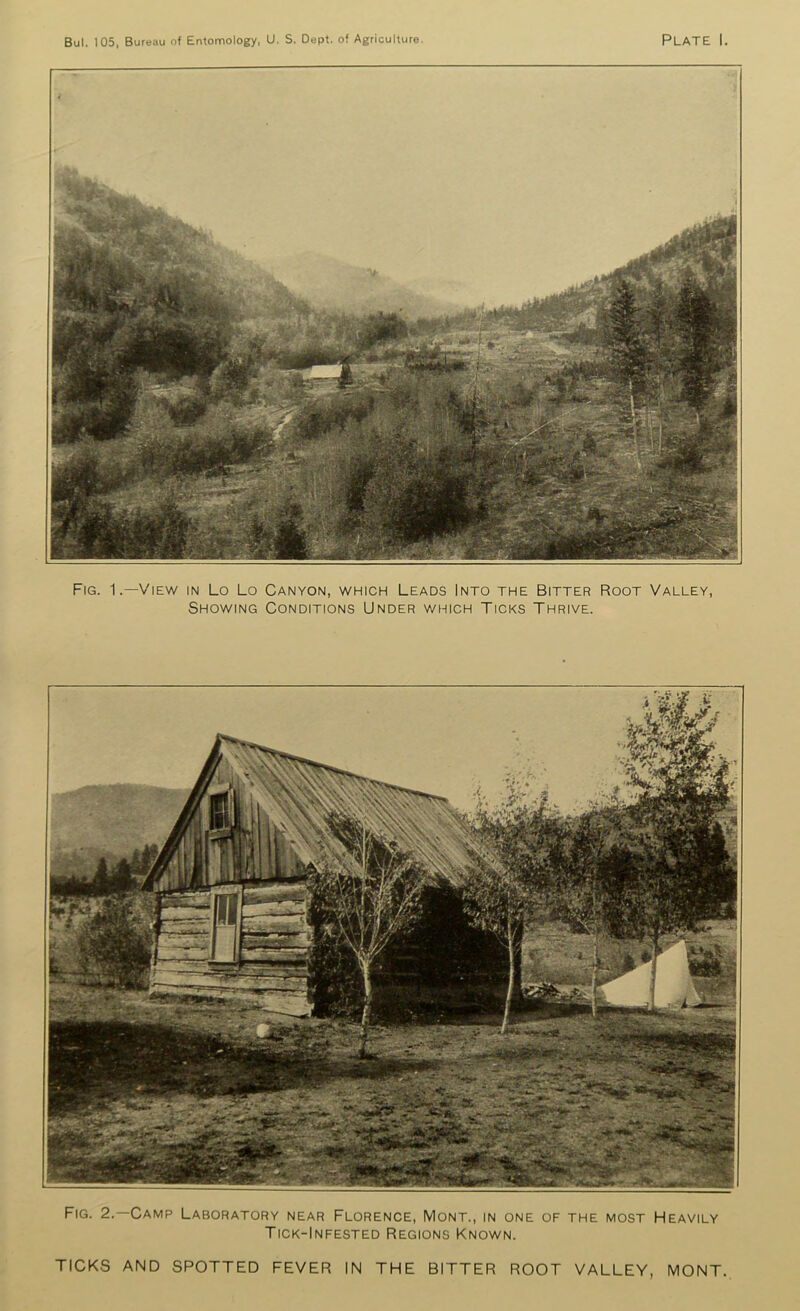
(327, 377)
(232, 911)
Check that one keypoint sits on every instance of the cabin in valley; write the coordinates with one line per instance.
(327, 377)
(233, 913)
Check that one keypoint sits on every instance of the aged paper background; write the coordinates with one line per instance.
(746, 634)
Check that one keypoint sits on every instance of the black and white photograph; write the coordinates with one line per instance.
(397, 313)
(385, 936)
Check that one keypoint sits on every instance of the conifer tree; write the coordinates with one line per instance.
(695, 317)
(627, 351)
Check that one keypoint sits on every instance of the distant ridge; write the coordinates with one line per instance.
(448, 290)
(707, 249)
(334, 285)
(107, 819)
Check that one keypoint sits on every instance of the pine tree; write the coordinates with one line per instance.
(100, 880)
(121, 877)
(289, 542)
(695, 317)
(657, 324)
(627, 350)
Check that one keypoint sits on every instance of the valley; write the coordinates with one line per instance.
(188, 421)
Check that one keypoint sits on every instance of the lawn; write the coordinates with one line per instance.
(160, 1091)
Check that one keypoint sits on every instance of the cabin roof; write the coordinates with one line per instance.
(301, 795)
(325, 371)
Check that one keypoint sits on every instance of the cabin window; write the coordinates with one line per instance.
(220, 812)
(225, 919)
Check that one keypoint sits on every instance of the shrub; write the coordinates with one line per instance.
(336, 980)
(102, 414)
(152, 436)
(687, 455)
(231, 376)
(77, 475)
(289, 542)
(156, 532)
(380, 327)
(704, 962)
(185, 405)
(74, 417)
(271, 385)
(410, 497)
(729, 402)
(113, 945)
(276, 533)
(326, 414)
(96, 532)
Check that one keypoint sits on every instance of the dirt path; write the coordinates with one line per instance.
(287, 419)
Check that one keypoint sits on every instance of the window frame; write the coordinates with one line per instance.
(221, 790)
(225, 890)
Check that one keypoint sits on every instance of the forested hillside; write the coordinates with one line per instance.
(599, 423)
(707, 251)
(136, 289)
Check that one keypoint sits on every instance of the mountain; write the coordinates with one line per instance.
(708, 250)
(108, 820)
(140, 256)
(136, 289)
(334, 285)
(447, 290)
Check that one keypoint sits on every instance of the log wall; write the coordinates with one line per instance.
(273, 955)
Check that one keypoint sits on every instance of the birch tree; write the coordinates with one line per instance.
(587, 890)
(500, 891)
(371, 898)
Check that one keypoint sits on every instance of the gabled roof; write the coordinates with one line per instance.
(325, 371)
(301, 795)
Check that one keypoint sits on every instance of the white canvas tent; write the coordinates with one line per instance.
(674, 987)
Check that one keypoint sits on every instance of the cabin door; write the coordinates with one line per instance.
(225, 926)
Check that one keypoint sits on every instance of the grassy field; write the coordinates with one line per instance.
(157, 1091)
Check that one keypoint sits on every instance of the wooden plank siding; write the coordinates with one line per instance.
(256, 849)
(273, 955)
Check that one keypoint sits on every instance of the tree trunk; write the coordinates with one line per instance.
(595, 967)
(651, 1000)
(366, 971)
(512, 977)
(649, 420)
(634, 428)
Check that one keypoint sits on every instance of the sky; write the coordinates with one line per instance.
(436, 739)
(514, 181)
